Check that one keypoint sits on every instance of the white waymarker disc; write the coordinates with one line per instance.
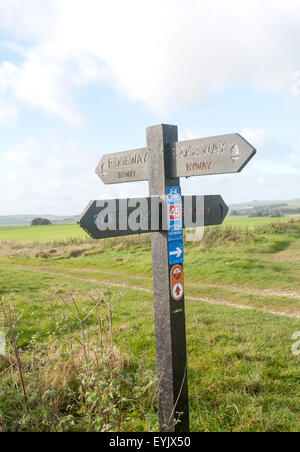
(177, 291)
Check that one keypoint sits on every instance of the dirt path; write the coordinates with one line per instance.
(147, 290)
(248, 290)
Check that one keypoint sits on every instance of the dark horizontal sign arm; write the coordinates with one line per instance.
(120, 217)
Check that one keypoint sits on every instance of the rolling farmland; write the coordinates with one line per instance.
(242, 306)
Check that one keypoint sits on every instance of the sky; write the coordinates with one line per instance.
(83, 78)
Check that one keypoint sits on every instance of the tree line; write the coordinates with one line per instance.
(275, 211)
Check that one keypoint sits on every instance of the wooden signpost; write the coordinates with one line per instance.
(165, 213)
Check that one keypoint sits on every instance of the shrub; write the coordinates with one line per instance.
(40, 222)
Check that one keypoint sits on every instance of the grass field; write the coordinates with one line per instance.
(41, 233)
(250, 222)
(66, 231)
(242, 308)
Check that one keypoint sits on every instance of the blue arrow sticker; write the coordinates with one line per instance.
(175, 251)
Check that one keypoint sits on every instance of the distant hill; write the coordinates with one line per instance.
(292, 204)
(25, 220)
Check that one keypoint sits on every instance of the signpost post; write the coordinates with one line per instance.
(162, 163)
(170, 334)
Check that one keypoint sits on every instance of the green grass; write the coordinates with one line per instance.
(242, 308)
(250, 222)
(68, 231)
(242, 374)
(41, 233)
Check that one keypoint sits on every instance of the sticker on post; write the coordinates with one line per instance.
(177, 286)
(175, 251)
(174, 213)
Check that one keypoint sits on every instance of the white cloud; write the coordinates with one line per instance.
(10, 178)
(8, 115)
(28, 19)
(273, 157)
(40, 82)
(56, 176)
(166, 54)
(25, 157)
(50, 176)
